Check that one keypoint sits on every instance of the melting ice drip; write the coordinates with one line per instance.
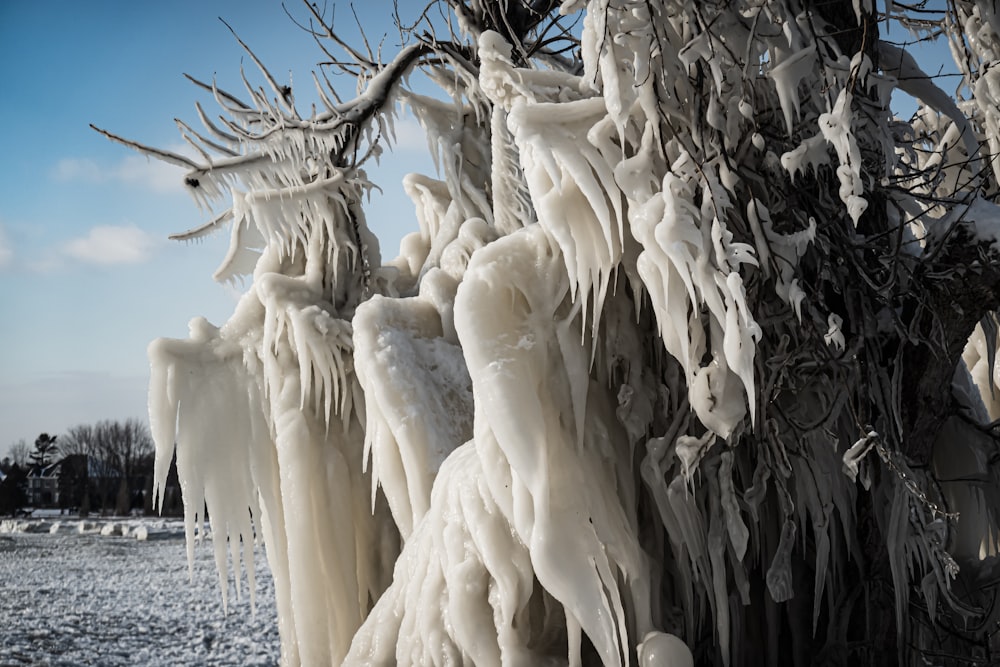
(443, 454)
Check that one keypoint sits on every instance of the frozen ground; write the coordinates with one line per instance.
(77, 597)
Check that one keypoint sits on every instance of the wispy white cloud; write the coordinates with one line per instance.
(151, 174)
(107, 244)
(132, 170)
(410, 136)
(78, 169)
(6, 251)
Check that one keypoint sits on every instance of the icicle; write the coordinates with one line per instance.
(739, 534)
(834, 336)
(212, 461)
(787, 72)
(779, 575)
(857, 452)
(568, 182)
(520, 392)
(837, 128)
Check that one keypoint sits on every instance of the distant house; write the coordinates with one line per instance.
(74, 481)
(43, 485)
(84, 484)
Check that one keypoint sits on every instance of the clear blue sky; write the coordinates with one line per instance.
(87, 276)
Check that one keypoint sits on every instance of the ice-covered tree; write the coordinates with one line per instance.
(691, 355)
(20, 453)
(45, 449)
(118, 450)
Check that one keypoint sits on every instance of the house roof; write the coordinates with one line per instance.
(51, 470)
(95, 468)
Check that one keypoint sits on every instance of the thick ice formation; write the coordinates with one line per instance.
(476, 453)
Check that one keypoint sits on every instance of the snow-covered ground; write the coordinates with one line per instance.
(81, 593)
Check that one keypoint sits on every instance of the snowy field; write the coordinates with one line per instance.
(70, 595)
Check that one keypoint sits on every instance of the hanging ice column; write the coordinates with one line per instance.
(532, 497)
(525, 542)
(265, 410)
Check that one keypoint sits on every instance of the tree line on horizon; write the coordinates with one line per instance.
(105, 467)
